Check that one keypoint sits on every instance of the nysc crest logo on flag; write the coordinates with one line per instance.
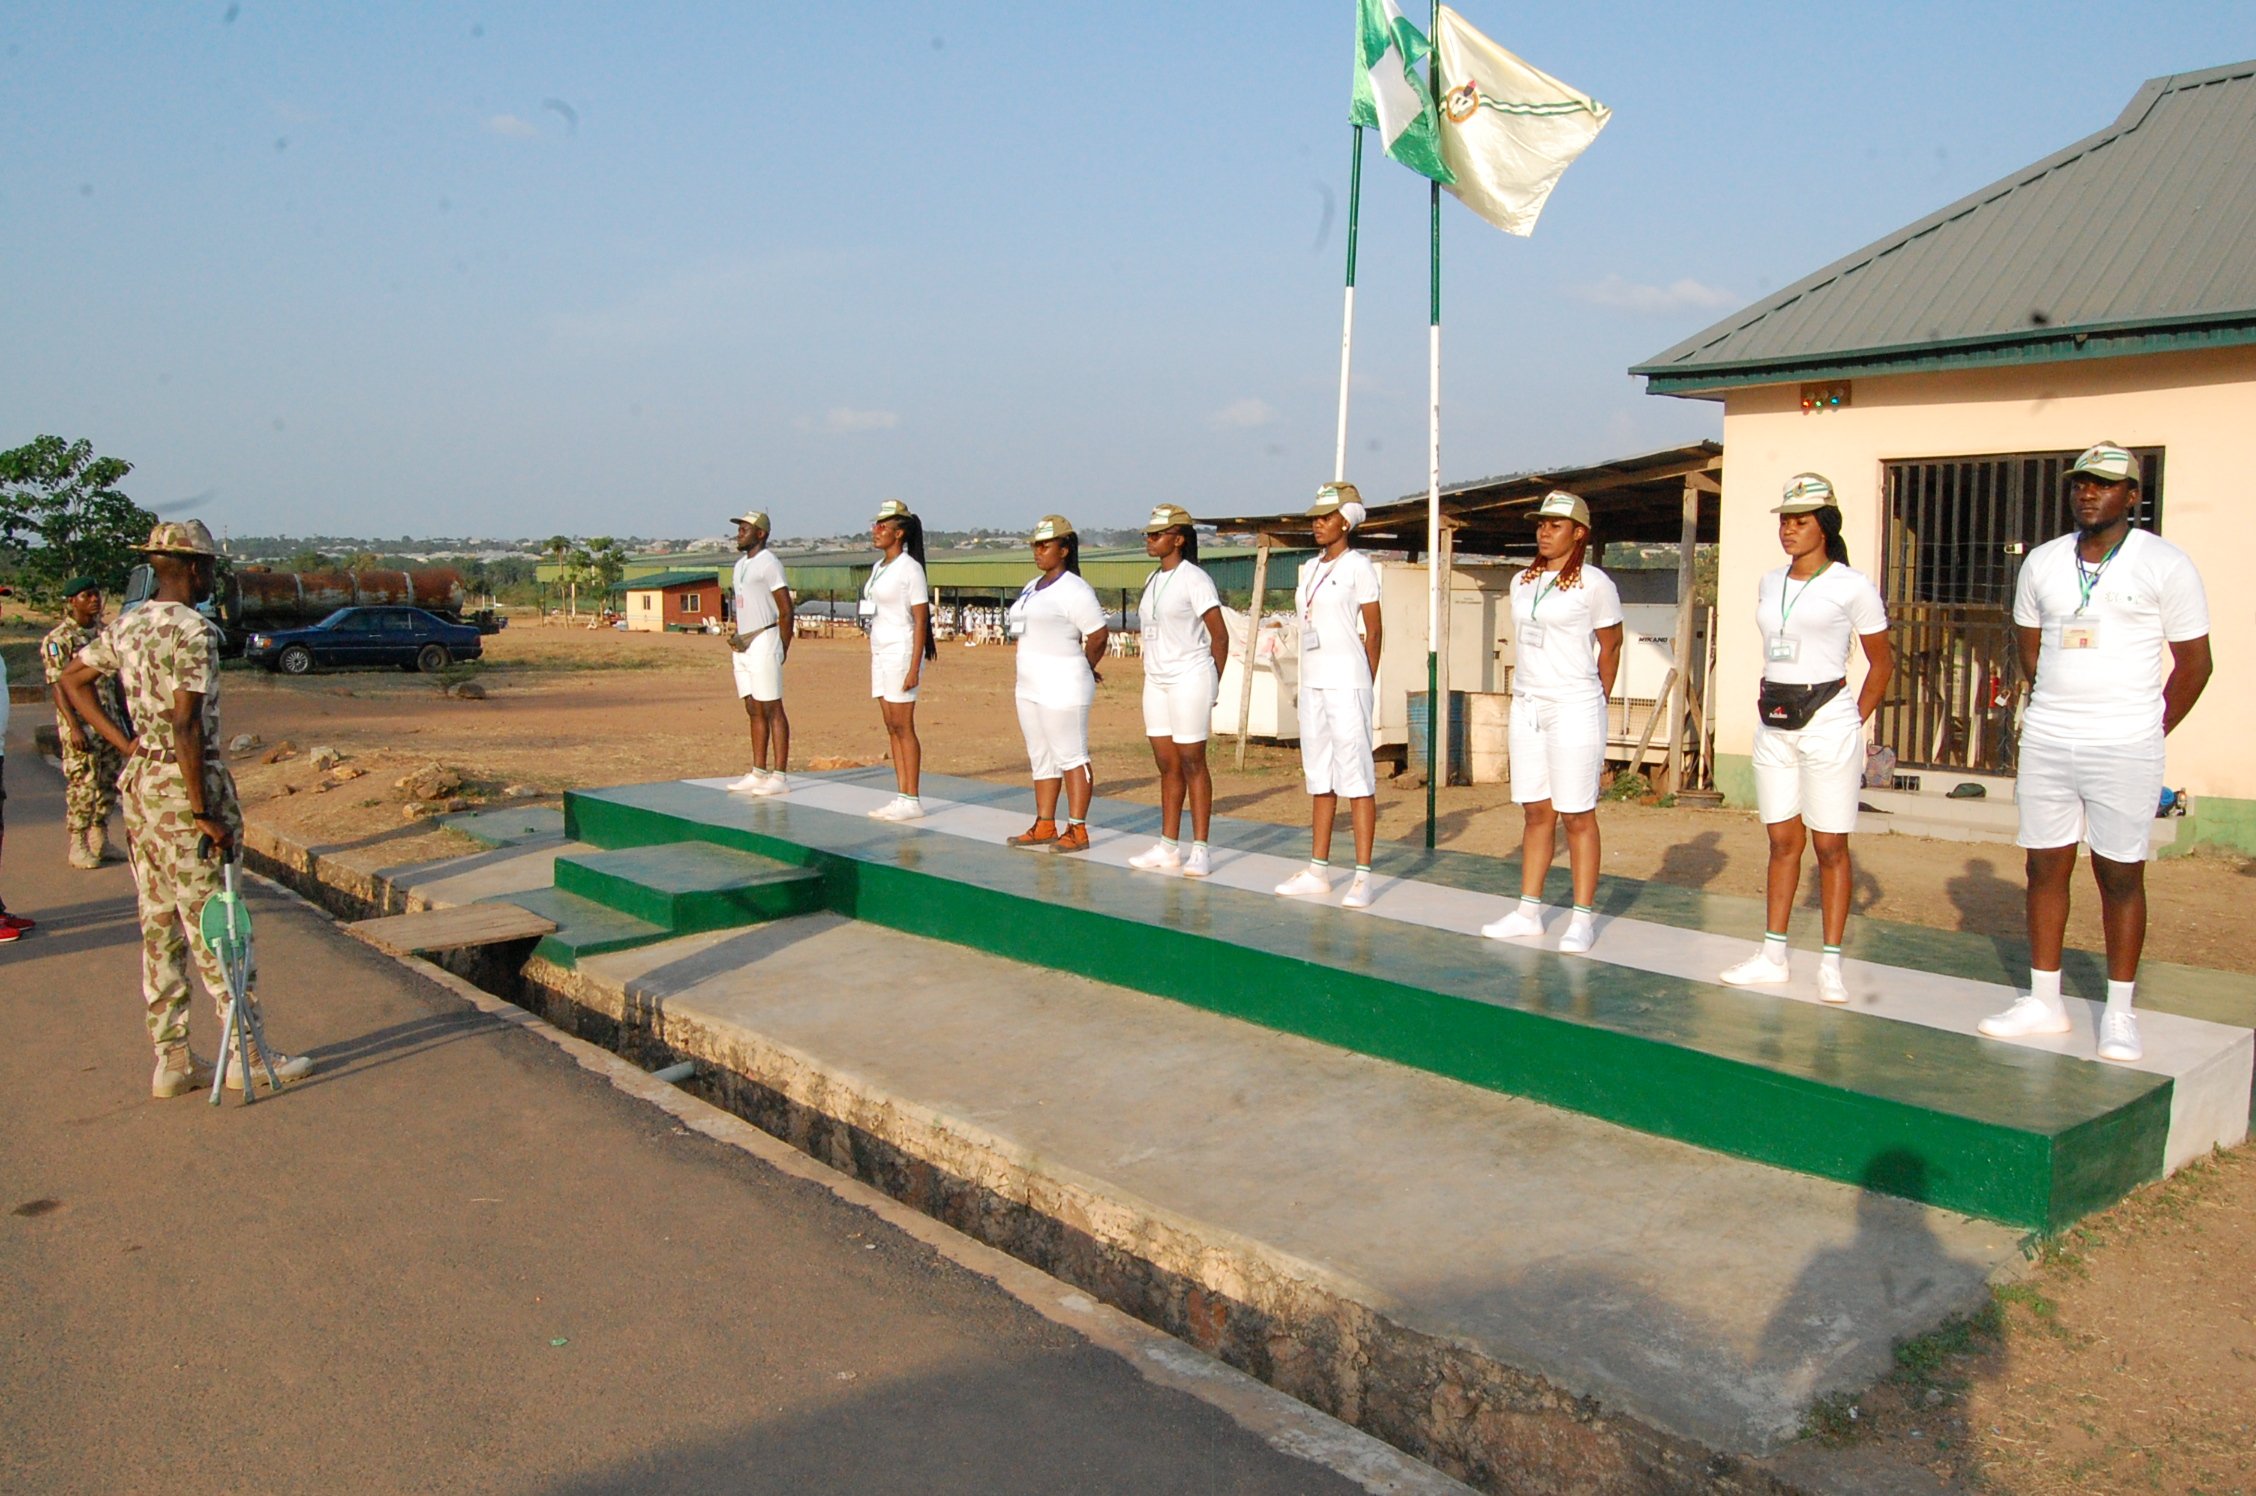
(1461, 102)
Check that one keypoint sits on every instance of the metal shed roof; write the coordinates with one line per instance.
(2138, 239)
(659, 581)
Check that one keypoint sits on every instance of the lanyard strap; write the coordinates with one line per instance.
(870, 584)
(1543, 589)
(2088, 578)
(1157, 586)
(1785, 602)
(1321, 578)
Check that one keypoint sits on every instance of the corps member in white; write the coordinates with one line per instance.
(1184, 647)
(1566, 648)
(1338, 598)
(1060, 629)
(896, 608)
(2095, 612)
(1809, 736)
(759, 643)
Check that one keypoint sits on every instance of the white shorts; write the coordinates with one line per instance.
(1815, 772)
(759, 667)
(889, 666)
(1335, 741)
(1057, 737)
(1558, 751)
(2101, 793)
(1181, 709)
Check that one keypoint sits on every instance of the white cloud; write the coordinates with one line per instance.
(513, 127)
(1243, 415)
(1632, 296)
(841, 421)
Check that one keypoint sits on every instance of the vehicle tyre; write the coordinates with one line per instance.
(295, 660)
(431, 658)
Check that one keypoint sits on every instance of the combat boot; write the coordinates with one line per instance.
(80, 856)
(287, 1067)
(179, 1071)
(98, 843)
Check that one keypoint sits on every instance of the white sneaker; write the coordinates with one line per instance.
(748, 785)
(2118, 1036)
(1582, 934)
(1830, 987)
(885, 812)
(1360, 892)
(1757, 970)
(2029, 1015)
(1305, 884)
(1195, 865)
(1517, 924)
(772, 784)
(907, 808)
(1158, 858)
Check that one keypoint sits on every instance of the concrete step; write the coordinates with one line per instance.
(1990, 811)
(690, 886)
(1976, 821)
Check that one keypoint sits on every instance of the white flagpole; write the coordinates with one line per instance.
(1437, 704)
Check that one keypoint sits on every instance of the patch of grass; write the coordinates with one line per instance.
(1833, 1420)
(1929, 1360)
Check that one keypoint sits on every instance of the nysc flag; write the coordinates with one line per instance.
(1508, 131)
(1391, 95)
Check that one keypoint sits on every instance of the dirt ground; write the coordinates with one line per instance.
(2126, 1360)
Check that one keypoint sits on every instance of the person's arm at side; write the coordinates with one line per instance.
(2027, 642)
(783, 618)
(77, 688)
(2190, 667)
(1093, 645)
(920, 615)
(68, 713)
(188, 734)
(1217, 638)
(1609, 657)
(1879, 669)
(1373, 633)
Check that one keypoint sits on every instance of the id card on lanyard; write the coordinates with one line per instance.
(1014, 618)
(868, 605)
(1309, 639)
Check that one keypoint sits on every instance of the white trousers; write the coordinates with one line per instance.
(1814, 772)
(1335, 741)
(759, 667)
(1558, 752)
(1057, 737)
(2101, 793)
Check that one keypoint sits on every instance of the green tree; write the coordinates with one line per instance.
(607, 562)
(62, 514)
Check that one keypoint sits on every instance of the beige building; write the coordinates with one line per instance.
(1945, 376)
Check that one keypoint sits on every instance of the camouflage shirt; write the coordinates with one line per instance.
(57, 650)
(157, 649)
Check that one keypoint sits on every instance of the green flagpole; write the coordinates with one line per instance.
(1347, 316)
(1437, 710)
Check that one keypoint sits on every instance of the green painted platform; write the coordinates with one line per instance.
(584, 927)
(2016, 1135)
(691, 886)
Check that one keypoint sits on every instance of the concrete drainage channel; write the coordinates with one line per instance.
(1498, 1428)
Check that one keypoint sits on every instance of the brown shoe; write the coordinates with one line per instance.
(1074, 839)
(1040, 834)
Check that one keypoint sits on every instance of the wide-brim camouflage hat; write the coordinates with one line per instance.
(892, 509)
(1051, 527)
(1559, 504)
(1167, 517)
(2107, 463)
(180, 537)
(1806, 493)
(757, 519)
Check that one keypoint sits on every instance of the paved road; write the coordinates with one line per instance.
(456, 1260)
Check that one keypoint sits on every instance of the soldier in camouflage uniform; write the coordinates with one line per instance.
(176, 789)
(90, 763)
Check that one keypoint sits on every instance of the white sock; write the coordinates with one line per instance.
(1200, 844)
(1774, 948)
(2119, 996)
(1320, 865)
(1583, 916)
(2045, 987)
(1532, 905)
(1831, 960)
(1362, 870)
(1168, 842)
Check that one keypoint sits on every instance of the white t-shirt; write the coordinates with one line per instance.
(1331, 597)
(1554, 633)
(758, 576)
(1050, 623)
(894, 587)
(2100, 668)
(1810, 627)
(1175, 639)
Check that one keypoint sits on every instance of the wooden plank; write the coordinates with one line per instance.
(451, 929)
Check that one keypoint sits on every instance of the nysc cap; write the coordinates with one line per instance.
(1052, 527)
(1806, 493)
(2106, 462)
(1559, 504)
(180, 537)
(892, 509)
(756, 518)
(1167, 517)
(1332, 498)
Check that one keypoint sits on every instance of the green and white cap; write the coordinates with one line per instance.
(756, 518)
(892, 509)
(1052, 527)
(1806, 493)
(1167, 517)
(2106, 462)
(1559, 504)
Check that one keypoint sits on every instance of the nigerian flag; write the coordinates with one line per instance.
(1391, 95)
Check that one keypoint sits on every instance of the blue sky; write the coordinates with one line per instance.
(514, 268)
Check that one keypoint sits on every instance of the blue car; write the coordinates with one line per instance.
(366, 639)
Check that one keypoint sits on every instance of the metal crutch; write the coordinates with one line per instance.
(226, 927)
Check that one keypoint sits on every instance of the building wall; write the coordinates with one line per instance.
(2196, 406)
(655, 611)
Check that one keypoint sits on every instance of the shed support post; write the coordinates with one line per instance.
(1678, 704)
(1253, 638)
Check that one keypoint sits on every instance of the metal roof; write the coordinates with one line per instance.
(1631, 499)
(657, 581)
(2137, 239)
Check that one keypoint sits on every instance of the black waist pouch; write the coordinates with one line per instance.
(1789, 708)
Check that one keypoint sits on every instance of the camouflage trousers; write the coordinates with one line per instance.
(89, 783)
(172, 883)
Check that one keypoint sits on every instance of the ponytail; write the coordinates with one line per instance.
(1836, 549)
(1190, 542)
(912, 546)
(1073, 554)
